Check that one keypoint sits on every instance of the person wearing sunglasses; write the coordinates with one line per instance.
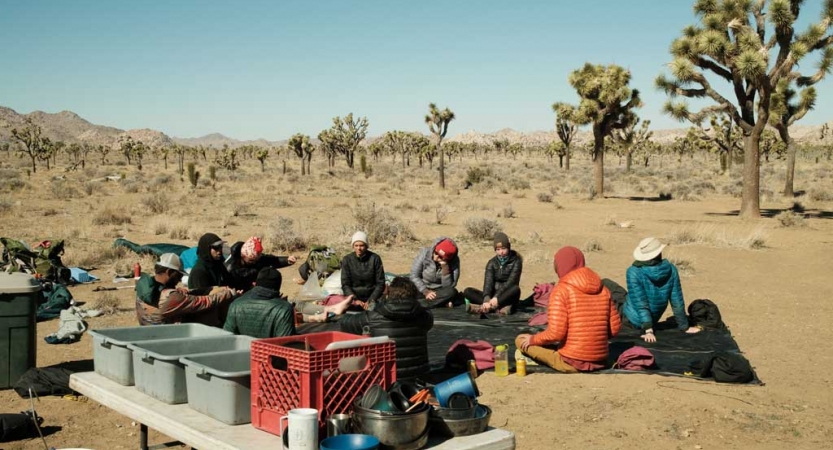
(209, 270)
(435, 272)
(501, 286)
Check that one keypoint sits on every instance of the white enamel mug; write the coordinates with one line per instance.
(303, 428)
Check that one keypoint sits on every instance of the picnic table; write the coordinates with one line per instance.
(201, 432)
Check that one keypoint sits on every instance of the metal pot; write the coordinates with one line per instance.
(445, 427)
(394, 431)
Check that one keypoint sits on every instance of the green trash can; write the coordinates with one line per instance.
(18, 304)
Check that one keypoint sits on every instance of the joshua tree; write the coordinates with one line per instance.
(725, 135)
(606, 102)
(566, 128)
(630, 138)
(180, 151)
(103, 150)
(303, 148)
(784, 113)
(163, 153)
(34, 145)
(261, 154)
(438, 124)
(731, 44)
(345, 136)
(125, 144)
(50, 150)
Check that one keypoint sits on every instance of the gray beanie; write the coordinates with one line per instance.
(502, 239)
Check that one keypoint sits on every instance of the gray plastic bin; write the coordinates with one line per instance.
(218, 385)
(19, 294)
(114, 360)
(158, 372)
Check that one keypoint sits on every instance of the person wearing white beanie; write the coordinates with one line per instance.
(362, 273)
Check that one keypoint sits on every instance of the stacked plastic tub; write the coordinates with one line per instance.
(205, 366)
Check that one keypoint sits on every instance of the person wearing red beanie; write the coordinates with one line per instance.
(435, 272)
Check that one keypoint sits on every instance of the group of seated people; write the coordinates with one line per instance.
(238, 287)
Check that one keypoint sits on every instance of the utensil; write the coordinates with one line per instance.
(339, 424)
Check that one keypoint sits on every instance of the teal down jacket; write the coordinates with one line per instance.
(650, 288)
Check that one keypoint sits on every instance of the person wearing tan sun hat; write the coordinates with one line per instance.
(653, 283)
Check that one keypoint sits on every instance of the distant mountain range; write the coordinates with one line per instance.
(71, 128)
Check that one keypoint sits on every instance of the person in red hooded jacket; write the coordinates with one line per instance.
(580, 319)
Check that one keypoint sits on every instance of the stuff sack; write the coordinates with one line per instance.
(14, 427)
(324, 260)
(635, 358)
(704, 312)
(463, 350)
(725, 367)
(46, 381)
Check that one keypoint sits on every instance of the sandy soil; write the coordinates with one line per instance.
(774, 298)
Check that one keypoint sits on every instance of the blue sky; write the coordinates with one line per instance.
(273, 68)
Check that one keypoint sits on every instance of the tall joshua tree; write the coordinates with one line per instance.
(438, 124)
(607, 102)
(731, 44)
(631, 138)
(566, 127)
(784, 113)
(303, 148)
(34, 146)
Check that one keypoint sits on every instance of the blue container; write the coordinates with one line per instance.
(462, 383)
(350, 442)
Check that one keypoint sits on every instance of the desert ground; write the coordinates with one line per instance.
(770, 277)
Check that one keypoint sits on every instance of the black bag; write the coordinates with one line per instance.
(725, 367)
(14, 427)
(704, 312)
(45, 381)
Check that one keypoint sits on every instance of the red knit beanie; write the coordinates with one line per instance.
(568, 259)
(446, 249)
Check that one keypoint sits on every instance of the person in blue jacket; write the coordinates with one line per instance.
(653, 282)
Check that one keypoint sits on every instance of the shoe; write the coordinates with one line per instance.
(505, 311)
(472, 308)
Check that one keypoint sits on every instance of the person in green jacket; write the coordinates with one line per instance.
(653, 283)
(263, 312)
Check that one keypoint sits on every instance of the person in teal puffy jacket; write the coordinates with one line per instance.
(653, 282)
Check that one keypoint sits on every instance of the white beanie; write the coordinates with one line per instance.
(359, 236)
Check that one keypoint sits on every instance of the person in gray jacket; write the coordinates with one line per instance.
(435, 272)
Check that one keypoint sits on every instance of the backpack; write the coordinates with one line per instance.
(704, 312)
(635, 358)
(43, 262)
(463, 350)
(324, 260)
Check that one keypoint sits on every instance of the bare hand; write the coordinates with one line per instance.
(442, 262)
(291, 260)
(526, 340)
(649, 338)
(693, 330)
(430, 295)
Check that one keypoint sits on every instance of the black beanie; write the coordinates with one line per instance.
(502, 239)
(269, 278)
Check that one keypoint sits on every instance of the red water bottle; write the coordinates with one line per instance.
(137, 271)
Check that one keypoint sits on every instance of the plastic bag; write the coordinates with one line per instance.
(311, 291)
(332, 285)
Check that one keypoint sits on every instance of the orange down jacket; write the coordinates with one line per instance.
(581, 317)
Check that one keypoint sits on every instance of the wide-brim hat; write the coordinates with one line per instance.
(171, 261)
(648, 249)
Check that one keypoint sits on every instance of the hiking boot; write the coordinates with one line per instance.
(472, 308)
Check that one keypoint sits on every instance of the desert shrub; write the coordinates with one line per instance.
(684, 266)
(131, 186)
(507, 212)
(405, 206)
(789, 219)
(5, 205)
(160, 182)
(480, 228)
(820, 195)
(518, 183)
(50, 212)
(557, 205)
(179, 231)
(475, 175)
(160, 227)
(283, 235)
(91, 187)
(61, 190)
(441, 212)
(719, 237)
(106, 303)
(110, 217)
(592, 246)
(380, 225)
(156, 203)
(424, 208)
(92, 256)
(284, 203)
(543, 197)
(682, 192)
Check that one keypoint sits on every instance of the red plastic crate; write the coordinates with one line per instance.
(284, 378)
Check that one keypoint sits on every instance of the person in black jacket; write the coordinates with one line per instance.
(501, 287)
(209, 270)
(400, 317)
(247, 260)
(362, 273)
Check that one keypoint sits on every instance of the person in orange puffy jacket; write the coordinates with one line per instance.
(580, 319)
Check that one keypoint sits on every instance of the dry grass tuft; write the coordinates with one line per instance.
(106, 303)
(380, 225)
(179, 231)
(711, 235)
(156, 203)
(789, 219)
(5, 205)
(544, 197)
(592, 246)
(110, 217)
(283, 235)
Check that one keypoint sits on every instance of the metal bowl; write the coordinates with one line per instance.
(392, 430)
(461, 427)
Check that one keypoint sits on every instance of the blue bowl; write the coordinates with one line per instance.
(350, 442)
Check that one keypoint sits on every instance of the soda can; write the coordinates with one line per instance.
(520, 367)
